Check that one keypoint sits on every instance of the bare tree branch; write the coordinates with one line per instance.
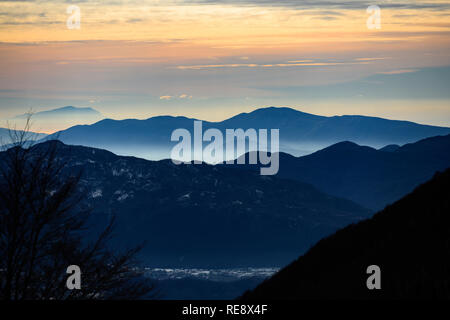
(41, 226)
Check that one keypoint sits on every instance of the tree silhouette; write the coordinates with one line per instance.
(42, 223)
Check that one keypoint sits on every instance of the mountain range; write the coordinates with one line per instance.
(408, 241)
(203, 215)
(370, 177)
(300, 133)
(229, 216)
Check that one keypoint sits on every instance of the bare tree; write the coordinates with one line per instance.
(42, 223)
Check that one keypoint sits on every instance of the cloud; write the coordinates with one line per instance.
(326, 18)
(330, 13)
(401, 71)
(371, 59)
(329, 4)
(299, 63)
(135, 20)
(181, 96)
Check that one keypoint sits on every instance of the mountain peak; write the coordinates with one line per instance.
(67, 110)
(275, 113)
(390, 148)
(344, 146)
(72, 108)
(58, 119)
(282, 111)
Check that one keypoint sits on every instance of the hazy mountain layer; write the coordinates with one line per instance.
(300, 133)
(201, 215)
(373, 178)
(59, 119)
(5, 136)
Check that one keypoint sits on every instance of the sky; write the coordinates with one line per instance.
(212, 59)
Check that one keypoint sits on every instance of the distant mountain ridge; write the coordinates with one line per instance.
(300, 133)
(408, 241)
(370, 177)
(59, 119)
(64, 111)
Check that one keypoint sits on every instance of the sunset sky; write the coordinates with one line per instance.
(212, 59)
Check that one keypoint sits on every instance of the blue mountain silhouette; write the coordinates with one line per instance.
(370, 177)
(64, 111)
(203, 215)
(300, 133)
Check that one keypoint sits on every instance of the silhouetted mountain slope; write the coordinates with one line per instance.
(409, 241)
(202, 215)
(370, 177)
(300, 133)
